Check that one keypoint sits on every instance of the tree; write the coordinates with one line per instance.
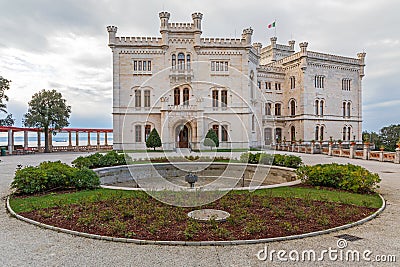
(4, 86)
(211, 139)
(49, 112)
(390, 136)
(154, 139)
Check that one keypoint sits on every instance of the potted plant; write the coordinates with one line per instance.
(398, 143)
(300, 141)
(382, 147)
(331, 140)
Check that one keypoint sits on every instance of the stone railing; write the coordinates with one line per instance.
(338, 151)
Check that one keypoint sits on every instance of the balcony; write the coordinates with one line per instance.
(181, 74)
(182, 107)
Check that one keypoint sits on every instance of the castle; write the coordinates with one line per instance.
(252, 96)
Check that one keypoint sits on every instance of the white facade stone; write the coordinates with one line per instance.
(240, 73)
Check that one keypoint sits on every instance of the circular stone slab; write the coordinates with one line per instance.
(206, 215)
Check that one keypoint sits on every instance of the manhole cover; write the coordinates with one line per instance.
(348, 237)
(206, 215)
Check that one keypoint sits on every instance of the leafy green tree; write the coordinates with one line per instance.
(211, 139)
(390, 136)
(154, 139)
(4, 86)
(49, 112)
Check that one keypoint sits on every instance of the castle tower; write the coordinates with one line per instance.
(164, 18)
(273, 46)
(247, 34)
(361, 57)
(197, 17)
(291, 44)
(112, 31)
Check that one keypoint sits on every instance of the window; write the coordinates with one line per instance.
(173, 61)
(215, 98)
(348, 133)
(292, 108)
(216, 130)
(319, 81)
(268, 109)
(268, 86)
(219, 66)
(224, 133)
(186, 96)
(259, 84)
(292, 82)
(181, 61)
(146, 98)
(277, 86)
(316, 107)
(147, 130)
(292, 134)
(141, 66)
(316, 133)
(177, 97)
(224, 98)
(321, 108)
(321, 135)
(138, 98)
(188, 61)
(253, 123)
(278, 134)
(138, 133)
(278, 109)
(268, 136)
(346, 84)
(348, 109)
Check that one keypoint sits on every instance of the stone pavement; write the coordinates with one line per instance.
(22, 244)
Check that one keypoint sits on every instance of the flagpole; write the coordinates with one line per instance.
(275, 28)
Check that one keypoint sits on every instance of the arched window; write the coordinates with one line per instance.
(316, 133)
(188, 61)
(173, 61)
(253, 123)
(293, 133)
(138, 98)
(344, 109)
(177, 96)
(321, 134)
(181, 61)
(224, 98)
(292, 108)
(316, 107)
(278, 134)
(278, 109)
(344, 133)
(321, 108)
(268, 109)
(348, 133)
(186, 96)
(215, 98)
(146, 98)
(348, 109)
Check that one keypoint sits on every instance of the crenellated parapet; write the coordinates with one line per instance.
(225, 42)
(112, 31)
(138, 41)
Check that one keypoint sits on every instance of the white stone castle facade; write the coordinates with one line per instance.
(252, 96)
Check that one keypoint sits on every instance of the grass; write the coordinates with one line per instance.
(28, 204)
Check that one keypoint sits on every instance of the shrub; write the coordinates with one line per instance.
(269, 159)
(211, 139)
(98, 160)
(53, 175)
(85, 179)
(347, 177)
(153, 140)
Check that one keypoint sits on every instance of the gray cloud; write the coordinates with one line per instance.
(332, 26)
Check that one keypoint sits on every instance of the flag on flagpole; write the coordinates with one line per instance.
(272, 25)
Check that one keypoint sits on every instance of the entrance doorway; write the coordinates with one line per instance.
(182, 133)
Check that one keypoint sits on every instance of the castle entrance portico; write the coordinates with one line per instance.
(182, 136)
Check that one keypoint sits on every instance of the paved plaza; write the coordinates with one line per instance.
(22, 244)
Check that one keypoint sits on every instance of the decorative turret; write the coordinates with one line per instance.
(273, 46)
(361, 57)
(291, 44)
(303, 47)
(247, 33)
(197, 17)
(258, 47)
(164, 18)
(112, 30)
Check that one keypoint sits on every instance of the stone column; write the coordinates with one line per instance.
(88, 138)
(352, 151)
(397, 156)
(69, 140)
(98, 140)
(77, 141)
(26, 140)
(105, 139)
(381, 155)
(330, 149)
(39, 141)
(312, 148)
(366, 151)
(340, 150)
(10, 142)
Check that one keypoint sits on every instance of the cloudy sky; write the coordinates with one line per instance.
(63, 44)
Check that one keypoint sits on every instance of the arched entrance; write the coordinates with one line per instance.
(182, 136)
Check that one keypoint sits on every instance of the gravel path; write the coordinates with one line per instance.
(22, 244)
